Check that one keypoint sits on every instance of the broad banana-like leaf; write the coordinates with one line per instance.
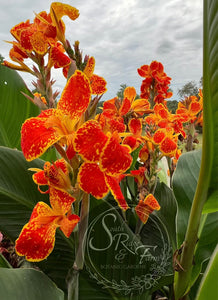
(26, 284)
(208, 288)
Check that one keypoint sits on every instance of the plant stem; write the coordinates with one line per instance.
(73, 277)
(182, 278)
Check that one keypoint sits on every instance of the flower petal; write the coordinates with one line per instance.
(144, 208)
(60, 201)
(115, 158)
(90, 67)
(90, 140)
(168, 146)
(129, 93)
(98, 85)
(39, 42)
(125, 107)
(92, 180)
(135, 126)
(58, 58)
(113, 184)
(76, 95)
(36, 138)
(37, 238)
(67, 225)
(62, 9)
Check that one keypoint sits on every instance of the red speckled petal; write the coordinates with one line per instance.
(168, 146)
(151, 201)
(143, 211)
(39, 42)
(115, 158)
(125, 107)
(67, 225)
(60, 201)
(92, 180)
(159, 136)
(39, 178)
(90, 140)
(37, 238)
(62, 9)
(59, 59)
(98, 85)
(36, 138)
(135, 126)
(113, 184)
(90, 67)
(76, 95)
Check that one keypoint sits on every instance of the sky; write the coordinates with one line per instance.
(123, 35)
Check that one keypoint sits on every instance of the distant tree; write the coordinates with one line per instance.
(1, 58)
(189, 89)
(172, 106)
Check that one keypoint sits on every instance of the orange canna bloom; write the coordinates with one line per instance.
(37, 238)
(163, 118)
(116, 110)
(146, 207)
(55, 176)
(156, 80)
(166, 140)
(190, 108)
(105, 161)
(57, 125)
(135, 139)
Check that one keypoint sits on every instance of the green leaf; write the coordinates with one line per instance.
(121, 262)
(168, 210)
(184, 184)
(210, 91)
(208, 288)
(185, 181)
(3, 262)
(26, 284)
(15, 108)
(18, 196)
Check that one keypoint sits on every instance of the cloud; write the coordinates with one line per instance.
(123, 35)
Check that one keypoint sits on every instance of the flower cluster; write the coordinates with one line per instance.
(96, 151)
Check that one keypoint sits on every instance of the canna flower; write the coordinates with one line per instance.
(139, 176)
(166, 140)
(156, 80)
(135, 139)
(37, 238)
(55, 176)
(116, 110)
(146, 207)
(105, 161)
(163, 118)
(189, 109)
(57, 125)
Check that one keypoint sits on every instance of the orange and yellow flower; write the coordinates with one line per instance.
(105, 161)
(156, 80)
(57, 125)
(146, 207)
(37, 238)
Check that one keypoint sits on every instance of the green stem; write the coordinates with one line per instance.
(182, 278)
(73, 276)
